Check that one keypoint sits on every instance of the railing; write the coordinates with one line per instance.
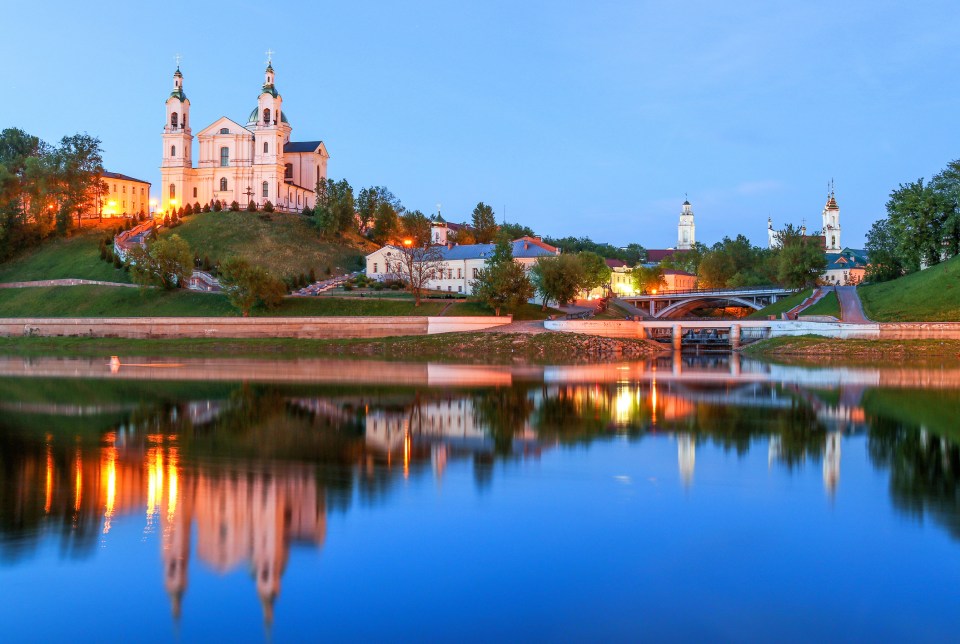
(712, 291)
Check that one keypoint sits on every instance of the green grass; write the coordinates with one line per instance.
(285, 244)
(821, 351)
(932, 295)
(828, 305)
(114, 301)
(781, 306)
(524, 313)
(76, 257)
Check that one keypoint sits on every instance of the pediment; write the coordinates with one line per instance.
(223, 122)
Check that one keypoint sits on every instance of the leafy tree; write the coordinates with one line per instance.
(647, 279)
(166, 262)
(503, 283)
(886, 262)
(516, 231)
(247, 286)
(416, 266)
(217, 206)
(80, 170)
(800, 260)
(484, 223)
(377, 204)
(386, 223)
(579, 244)
(334, 211)
(268, 206)
(633, 254)
(731, 263)
(596, 273)
(416, 227)
(197, 208)
(234, 206)
(688, 261)
(557, 278)
(462, 236)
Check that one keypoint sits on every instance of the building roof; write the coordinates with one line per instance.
(615, 263)
(300, 146)
(680, 273)
(657, 255)
(846, 259)
(539, 242)
(121, 177)
(254, 117)
(523, 248)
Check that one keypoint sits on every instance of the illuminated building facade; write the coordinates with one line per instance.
(124, 196)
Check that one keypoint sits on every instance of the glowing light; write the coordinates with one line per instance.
(653, 400)
(173, 202)
(173, 486)
(49, 491)
(653, 292)
(78, 482)
(110, 456)
(408, 243)
(407, 449)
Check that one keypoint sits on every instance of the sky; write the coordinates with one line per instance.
(574, 118)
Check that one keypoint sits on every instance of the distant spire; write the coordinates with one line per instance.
(178, 58)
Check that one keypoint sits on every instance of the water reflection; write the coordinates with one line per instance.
(239, 473)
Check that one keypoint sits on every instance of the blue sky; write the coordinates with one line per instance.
(579, 118)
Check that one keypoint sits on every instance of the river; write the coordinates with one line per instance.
(699, 498)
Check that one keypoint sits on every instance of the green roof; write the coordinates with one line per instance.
(179, 93)
(254, 117)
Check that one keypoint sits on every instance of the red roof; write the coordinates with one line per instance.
(658, 255)
(537, 242)
(681, 273)
(615, 263)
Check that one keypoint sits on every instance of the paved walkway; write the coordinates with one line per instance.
(850, 307)
(64, 282)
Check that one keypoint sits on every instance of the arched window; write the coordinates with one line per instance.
(288, 171)
(173, 150)
(266, 146)
(223, 183)
(224, 157)
(173, 191)
(266, 115)
(174, 119)
(266, 189)
(224, 130)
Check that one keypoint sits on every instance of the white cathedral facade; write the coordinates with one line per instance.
(255, 161)
(830, 229)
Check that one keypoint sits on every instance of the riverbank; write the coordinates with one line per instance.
(832, 351)
(476, 347)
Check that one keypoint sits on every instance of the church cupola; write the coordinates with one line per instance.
(686, 230)
(831, 221)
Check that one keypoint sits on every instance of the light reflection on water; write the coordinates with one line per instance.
(222, 470)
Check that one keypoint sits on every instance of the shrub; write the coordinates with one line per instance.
(196, 207)
(234, 206)
(267, 206)
(206, 208)
(180, 212)
(217, 206)
(313, 275)
(187, 210)
(307, 212)
(251, 206)
(116, 262)
(166, 220)
(347, 287)
(378, 286)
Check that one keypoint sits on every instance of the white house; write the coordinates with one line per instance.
(460, 263)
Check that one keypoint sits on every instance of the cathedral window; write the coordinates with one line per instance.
(224, 157)
(288, 171)
(224, 130)
(173, 120)
(194, 193)
(173, 191)
(266, 146)
(266, 115)
(223, 183)
(266, 189)
(173, 150)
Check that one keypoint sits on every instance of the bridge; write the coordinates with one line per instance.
(677, 304)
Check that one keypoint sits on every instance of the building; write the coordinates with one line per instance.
(847, 267)
(686, 230)
(256, 161)
(460, 263)
(621, 277)
(124, 196)
(675, 280)
(831, 223)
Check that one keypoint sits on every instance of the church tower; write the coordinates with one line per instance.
(686, 228)
(831, 223)
(177, 146)
(271, 131)
(773, 237)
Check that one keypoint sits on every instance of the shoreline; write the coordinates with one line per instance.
(817, 350)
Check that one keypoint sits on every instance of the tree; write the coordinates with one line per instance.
(386, 224)
(166, 262)
(416, 227)
(596, 273)
(484, 223)
(648, 279)
(503, 283)
(247, 286)
(416, 266)
(557, 278)
(462, 236)
(885, 259)
(516, 231)
(634, 254)
(334, 211)
(251, 206)
(800, 260)
(377, 204)
(80, 175)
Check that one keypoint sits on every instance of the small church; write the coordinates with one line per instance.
(256, 161)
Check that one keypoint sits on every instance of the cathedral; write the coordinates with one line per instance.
(253, 162)
(830, 230)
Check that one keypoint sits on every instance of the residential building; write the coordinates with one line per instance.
(847, 267)
(124, 196)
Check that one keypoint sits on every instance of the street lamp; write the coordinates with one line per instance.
(408, 242)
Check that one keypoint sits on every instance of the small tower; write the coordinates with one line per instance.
(686, 229)
(177, 145)
(773, 239)
(268, 122)
(831, 222)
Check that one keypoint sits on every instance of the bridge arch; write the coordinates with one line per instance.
(678, 309)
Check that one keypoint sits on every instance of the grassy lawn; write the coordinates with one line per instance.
(781, 306)
(284, 244)
(932, 295)
(828, 305)
(75, 257)
(526, 312)
(107, 301)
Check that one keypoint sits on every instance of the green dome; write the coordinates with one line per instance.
(255, 116)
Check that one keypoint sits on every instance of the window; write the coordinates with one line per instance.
(459, 273)
(224, 130)
(266, 147)
(266, 115)
(459, 290)
(223, 183)
(173, 191)
(141, 191)
(288, 171)
(194, 193)
(173, 150)
(266, 189)
(123, 189)
(375, 265)
(298, 198)
(449, 288)
(476, 273)
(114, 187)
(123, 204)
(224, 157)
(449, 273)
(173, 120)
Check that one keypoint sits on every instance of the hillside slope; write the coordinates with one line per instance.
(76, 257)
(285, 244)
(932, 295)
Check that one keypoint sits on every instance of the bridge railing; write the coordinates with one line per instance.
(713, 291)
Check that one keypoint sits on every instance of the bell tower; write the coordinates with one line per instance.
(831, 222)
(686, 230)
(177, 145)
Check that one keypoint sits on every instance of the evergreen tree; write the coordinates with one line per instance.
(503, 284)
(484, 223)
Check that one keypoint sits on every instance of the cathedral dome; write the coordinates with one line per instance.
(255, 117)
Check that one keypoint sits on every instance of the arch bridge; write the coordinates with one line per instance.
(677, 304)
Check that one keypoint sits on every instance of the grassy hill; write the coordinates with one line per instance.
(284, 244)
(932, 295)
(829, 304)
(781, 306)
(76, 257)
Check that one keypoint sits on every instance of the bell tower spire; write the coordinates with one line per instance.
(686, 230)
(177, 144)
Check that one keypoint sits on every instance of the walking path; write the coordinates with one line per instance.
(64, 282)
(851, 309)
(817, 295)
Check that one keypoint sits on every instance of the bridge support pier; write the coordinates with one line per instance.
(677, 337)
(734, 336)
(653, 309)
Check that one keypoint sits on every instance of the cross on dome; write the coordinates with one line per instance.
(178, 58)
(269, 54)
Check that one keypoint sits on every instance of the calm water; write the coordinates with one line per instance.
(703, 499)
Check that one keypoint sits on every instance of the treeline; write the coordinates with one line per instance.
(921, 228)
(43, 187)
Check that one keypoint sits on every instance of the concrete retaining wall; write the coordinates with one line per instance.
(314, 328)
(920, 330)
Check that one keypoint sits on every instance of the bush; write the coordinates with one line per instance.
(307, 212)
(187, 210)
(328, 271)
(217, 206)
(347, 287)
(166, 220)
(251, 206)
(378, 286)
(234, 206)
(312, 275)
(196, 207)
(117, 263)
(206, 208)
(267, 206)
(180, 213)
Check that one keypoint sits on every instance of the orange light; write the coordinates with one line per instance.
(653, 292)
(408, 243)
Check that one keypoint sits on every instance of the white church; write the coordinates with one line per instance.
(255, 161)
